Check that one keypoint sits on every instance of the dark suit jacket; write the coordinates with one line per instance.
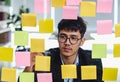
(84, 59)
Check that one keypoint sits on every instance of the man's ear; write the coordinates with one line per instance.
(82, 41)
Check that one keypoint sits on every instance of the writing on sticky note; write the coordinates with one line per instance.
(26, 77)
(42, 63)
(8, 74)
(58, 3)
(68, 71)
(70, 12)
(104, 6)
(117, 30)
(46, 26)
(29, 20)
(104, 27)
(88, 9)
(99, 50)
(110, 74)
(41, 77)
(39, 6)
(6, 54)
(21, 38)
(88, 72)
(73, 2)
(116, 50)
(37, 45)
(25, 56)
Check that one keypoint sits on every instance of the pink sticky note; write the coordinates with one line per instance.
(70, 12)
(73, 2)
(104, 26)
(22, 58)
(44, 77)
(104, 6)
(42, 6)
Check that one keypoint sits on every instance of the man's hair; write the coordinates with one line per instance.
(73, 25)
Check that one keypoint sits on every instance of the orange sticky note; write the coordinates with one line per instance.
(88, 72)
(117, 30)
(116, 50)
(37, 45)
(58, 3)
(6, 54)
(46, 26)
(88, 9)
(68, 71)
(42, 63)
(110, 74)
(8, 74)
(26, 77)
(28, 20)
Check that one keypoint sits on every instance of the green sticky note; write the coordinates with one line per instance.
(6, 54)
(26, 77)
(99, 50)
(110, 74)
(21, 38)
(116, 50)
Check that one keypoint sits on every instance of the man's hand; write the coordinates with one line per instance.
(32, 60)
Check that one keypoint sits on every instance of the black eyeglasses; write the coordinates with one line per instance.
(63, 38)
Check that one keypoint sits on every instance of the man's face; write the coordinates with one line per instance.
(69, 42)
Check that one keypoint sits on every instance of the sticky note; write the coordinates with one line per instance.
(70, 12)
(117, 30)
(40, 7)
(25, 56)
(6, 54)
(29, 20)
(58, 3)
(46, 25)
(8, 74)
(41, 77)
(104, 27)
(104, 6)
(68, 71)
(110, 81)
(88, 72)
(42, 63)
(21, 38)
(116, 50)
(73, 2)
(110, 74)
(99, 50)
(88, 9)
(26, 77)
(37, 45)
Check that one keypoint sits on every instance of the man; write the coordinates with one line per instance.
(70, 38)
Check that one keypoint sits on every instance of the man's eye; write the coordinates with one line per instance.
(61, 36)
(74, 38)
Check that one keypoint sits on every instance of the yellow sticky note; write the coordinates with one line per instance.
(46, 26)
(42, 63)
(88, 72)
(29, 20)
(116, 50)
(69, 71)
(21, 38)
(6, 54)
(117, 30)
(26, 77)
(58, 3)
(37, 45)
(8, 74)
(110, 81)
(110, 74)
(88, 9)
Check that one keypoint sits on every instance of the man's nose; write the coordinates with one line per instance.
(67, 41)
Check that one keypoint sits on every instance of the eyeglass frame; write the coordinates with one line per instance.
(66, 38)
